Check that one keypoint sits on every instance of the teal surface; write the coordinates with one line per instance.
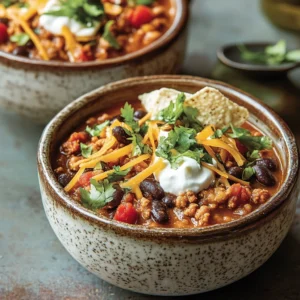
(34, 265)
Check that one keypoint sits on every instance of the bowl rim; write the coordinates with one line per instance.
(56, 191)
(178, 24)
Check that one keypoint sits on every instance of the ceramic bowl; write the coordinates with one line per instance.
(39, 89)
(167, 261)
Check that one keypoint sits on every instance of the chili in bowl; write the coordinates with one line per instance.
(59, 49)
(175, 174)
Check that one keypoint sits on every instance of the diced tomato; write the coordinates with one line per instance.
(140, 15)
(126, 213)
(84, 179)
(240, 192)
(84, 56)
(3, 33)
(241, 147)
(78, 136)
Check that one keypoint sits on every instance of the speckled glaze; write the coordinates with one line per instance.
(168, 261)
(39, 89)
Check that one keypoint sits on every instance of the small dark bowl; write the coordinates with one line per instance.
(230, 55)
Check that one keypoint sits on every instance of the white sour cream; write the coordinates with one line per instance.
(189, 176)
(54, 24)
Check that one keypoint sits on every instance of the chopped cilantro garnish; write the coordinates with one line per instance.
(189, 118)
(180, 142)
(251, 156)
(138, 146)
(171, 113)
(118, 174)
(97, 129)
(86, 150)
(109, 37)
(248, 173)
(21, 39)
(127, 113)
(220, 132)
(84, 11)
(251, 142)
(100, 194)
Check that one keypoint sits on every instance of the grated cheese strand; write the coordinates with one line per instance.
(144, 119)
(74, 180)
(71, 43)
(211, 152)
(107, 145)
(220, 144)
(224, 174)
(31, 34)
(124, 167)
(137, 192)
(108, 157)
(32, 11)
(136, 180)
(205, 133)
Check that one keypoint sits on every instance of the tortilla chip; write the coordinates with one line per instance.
(157, 100)
(214, 108)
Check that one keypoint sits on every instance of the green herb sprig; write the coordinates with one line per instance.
(86, 12)
(272, 55)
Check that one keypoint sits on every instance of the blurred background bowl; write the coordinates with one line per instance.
(39, 89)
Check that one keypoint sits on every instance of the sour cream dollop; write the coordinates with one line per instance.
(54, 24)
(189, 176)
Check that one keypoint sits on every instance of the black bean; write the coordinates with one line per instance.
(236, 172)
(264, 176)
(29, 44)
(120, 134)
(169, 200)
(4, 21)
(151, 187)
(117, 197)
(21, 51)
(140, 113)
(268, 163)
(159, 212)
(117, 117)
(64, 179)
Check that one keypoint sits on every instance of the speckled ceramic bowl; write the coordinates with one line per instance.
(39, 89)
(167, 261)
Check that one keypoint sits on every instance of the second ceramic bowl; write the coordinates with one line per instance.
(167, 261)
(39, 89)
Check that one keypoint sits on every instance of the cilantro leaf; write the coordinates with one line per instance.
(197, 154)
(251, 156)
(251, 142)
(86, 150)
(219, 132)
(109, 37)
(293, 56)
(185, 138)
(83, 11)
(189, 118)
(145, 2)
(118, 174)
(180, 143)
(97, 129)
(100, 194)
(21, 39)
(127, 113)
(248, 173)
(171, 113)
(138, 146)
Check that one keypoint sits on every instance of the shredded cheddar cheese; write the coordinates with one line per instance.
(74, 180)
(205, 133)
(136, 180)
(113, 156)
(71, 43)
(31, 12)
(144, 119)
(124, 167)
(220, 144)
(224, 174)
(31, 34)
